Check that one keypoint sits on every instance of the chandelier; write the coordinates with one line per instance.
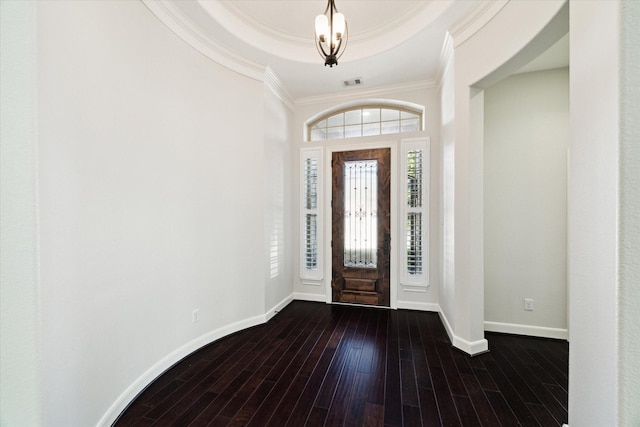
(331, 34)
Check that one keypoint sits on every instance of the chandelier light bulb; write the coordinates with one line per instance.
(322, 27)
(338, 26)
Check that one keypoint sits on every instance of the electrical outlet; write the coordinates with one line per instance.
(195, 315)
(528, 304)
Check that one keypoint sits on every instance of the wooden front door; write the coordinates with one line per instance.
(361, 217)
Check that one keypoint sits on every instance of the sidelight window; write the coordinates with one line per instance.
(415, 156)
(310, 219)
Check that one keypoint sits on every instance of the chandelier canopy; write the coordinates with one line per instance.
(331, 34)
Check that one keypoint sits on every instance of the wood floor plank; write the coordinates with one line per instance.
(303, 407)
(358, 403)
(409, 389)
(411, 416)
(342, 398)
(485, 412)
(250, 407)
(544, 417)
(502, 409)
(373, 415)
(510, 394)
(429, 407)
(444, 398)
(328, 365)
(466, 411)
(393, 394)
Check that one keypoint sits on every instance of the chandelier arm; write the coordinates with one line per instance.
(321, 49)
(344, 38)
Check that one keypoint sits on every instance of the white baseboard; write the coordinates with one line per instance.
(309, 297)
(168, 361)
(533, 331)
(421, 306)
(278, 307)
(470, 347)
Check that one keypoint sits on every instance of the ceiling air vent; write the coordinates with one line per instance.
(352, 82)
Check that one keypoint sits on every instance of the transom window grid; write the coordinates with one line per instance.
(365, 121)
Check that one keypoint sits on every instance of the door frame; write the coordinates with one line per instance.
(393, 273)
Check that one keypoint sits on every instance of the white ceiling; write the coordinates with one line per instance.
(390, 42)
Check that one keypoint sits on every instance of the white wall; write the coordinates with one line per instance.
(629, 243)
(277, 201)
(526, 135)
(420, 93)
(477, 57)
(593, 213)
(149, 157)
(20, 352)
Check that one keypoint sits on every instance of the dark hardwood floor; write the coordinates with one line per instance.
(327, 365)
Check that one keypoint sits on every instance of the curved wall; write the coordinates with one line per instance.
(149, 158)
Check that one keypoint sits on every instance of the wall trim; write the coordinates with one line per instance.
(349, 94)
(472, 348)
(278, 307)
(530, 330)
(301, 296)
(184, 28)
(420, 306)
(171, 359)
(475, 20)
(272, 81)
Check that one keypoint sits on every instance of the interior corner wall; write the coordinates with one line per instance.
(277, 201)
(149, 158)
(447, 247)
(593, 213)
(525, 203)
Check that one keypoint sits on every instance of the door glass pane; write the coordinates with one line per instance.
(360, 215)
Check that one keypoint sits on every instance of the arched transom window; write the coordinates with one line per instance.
(366, 120)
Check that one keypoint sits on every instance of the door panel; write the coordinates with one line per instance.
(361, 216)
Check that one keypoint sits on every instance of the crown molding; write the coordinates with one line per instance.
(446, 55)
(273, 83)
(184, 28)
(477, 18)
(337, 97)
